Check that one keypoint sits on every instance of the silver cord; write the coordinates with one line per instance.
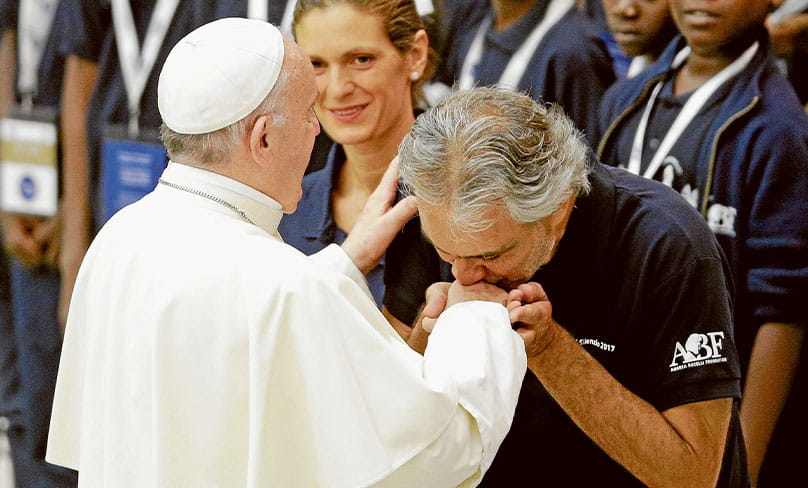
(214, 198)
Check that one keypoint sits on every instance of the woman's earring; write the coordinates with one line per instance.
(414, 76)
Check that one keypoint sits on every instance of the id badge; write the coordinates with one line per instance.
(130, 167)
(29, 162)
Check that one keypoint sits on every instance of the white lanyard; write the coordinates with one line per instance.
(257, 9)
(513, 72)
(33, 27)
(686, 115)
(424, 7)
(137, 63)
(638, 63)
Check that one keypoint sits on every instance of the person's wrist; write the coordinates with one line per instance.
(359, 256)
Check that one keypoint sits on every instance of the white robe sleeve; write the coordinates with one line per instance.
(473, 344)
(335, 258)
(467, 347)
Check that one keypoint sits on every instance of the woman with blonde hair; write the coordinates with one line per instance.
(371, 58)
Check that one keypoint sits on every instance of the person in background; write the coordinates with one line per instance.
(716, 120)
(642, 29)
(30, 226)
(99, 100)
(788, 29)
(370, 69)
(201, 350)
(550, 49)
(635, 381)
(10, 421)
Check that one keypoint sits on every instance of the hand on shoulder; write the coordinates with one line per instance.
(379, 222)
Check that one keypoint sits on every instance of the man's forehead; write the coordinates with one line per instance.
(437, 229)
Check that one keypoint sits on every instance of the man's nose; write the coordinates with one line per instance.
(467, 271)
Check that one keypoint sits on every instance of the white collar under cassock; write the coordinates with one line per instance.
(261, 209)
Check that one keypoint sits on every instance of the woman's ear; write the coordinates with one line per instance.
(419, 53)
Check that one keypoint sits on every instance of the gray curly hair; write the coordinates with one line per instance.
(489, 147)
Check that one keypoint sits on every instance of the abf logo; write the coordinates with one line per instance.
(699, 350)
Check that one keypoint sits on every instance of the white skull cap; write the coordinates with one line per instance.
(218, 74)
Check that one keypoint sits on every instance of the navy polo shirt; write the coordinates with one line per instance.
(8, 14)
(91, 37)
(571, 66)
(679, 168)
(238, 8)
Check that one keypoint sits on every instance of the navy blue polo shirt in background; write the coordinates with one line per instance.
(571, 66)
(92, 38)
(677, 169)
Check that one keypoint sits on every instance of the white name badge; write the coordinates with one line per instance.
(130, 167)
(29, 162)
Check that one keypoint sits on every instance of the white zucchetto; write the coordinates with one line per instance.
(218, 74)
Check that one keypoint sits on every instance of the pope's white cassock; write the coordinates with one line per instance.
(202, 351)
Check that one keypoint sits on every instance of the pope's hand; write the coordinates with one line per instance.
(442, 295)
(437, 296)
(477, 291)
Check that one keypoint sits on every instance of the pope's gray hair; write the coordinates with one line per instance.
(213, 148)
(490, 147)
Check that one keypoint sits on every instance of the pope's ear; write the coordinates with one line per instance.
(260, 139)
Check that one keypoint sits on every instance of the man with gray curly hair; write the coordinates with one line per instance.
(611, 274)
(470, 159)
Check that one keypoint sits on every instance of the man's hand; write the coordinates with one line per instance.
(379, 222)
(33, 241)
(788, 33)
(48, 235)
(532, 316)
(19, 240)
(74, 243)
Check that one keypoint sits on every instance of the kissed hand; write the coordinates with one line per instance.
(442, 295)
